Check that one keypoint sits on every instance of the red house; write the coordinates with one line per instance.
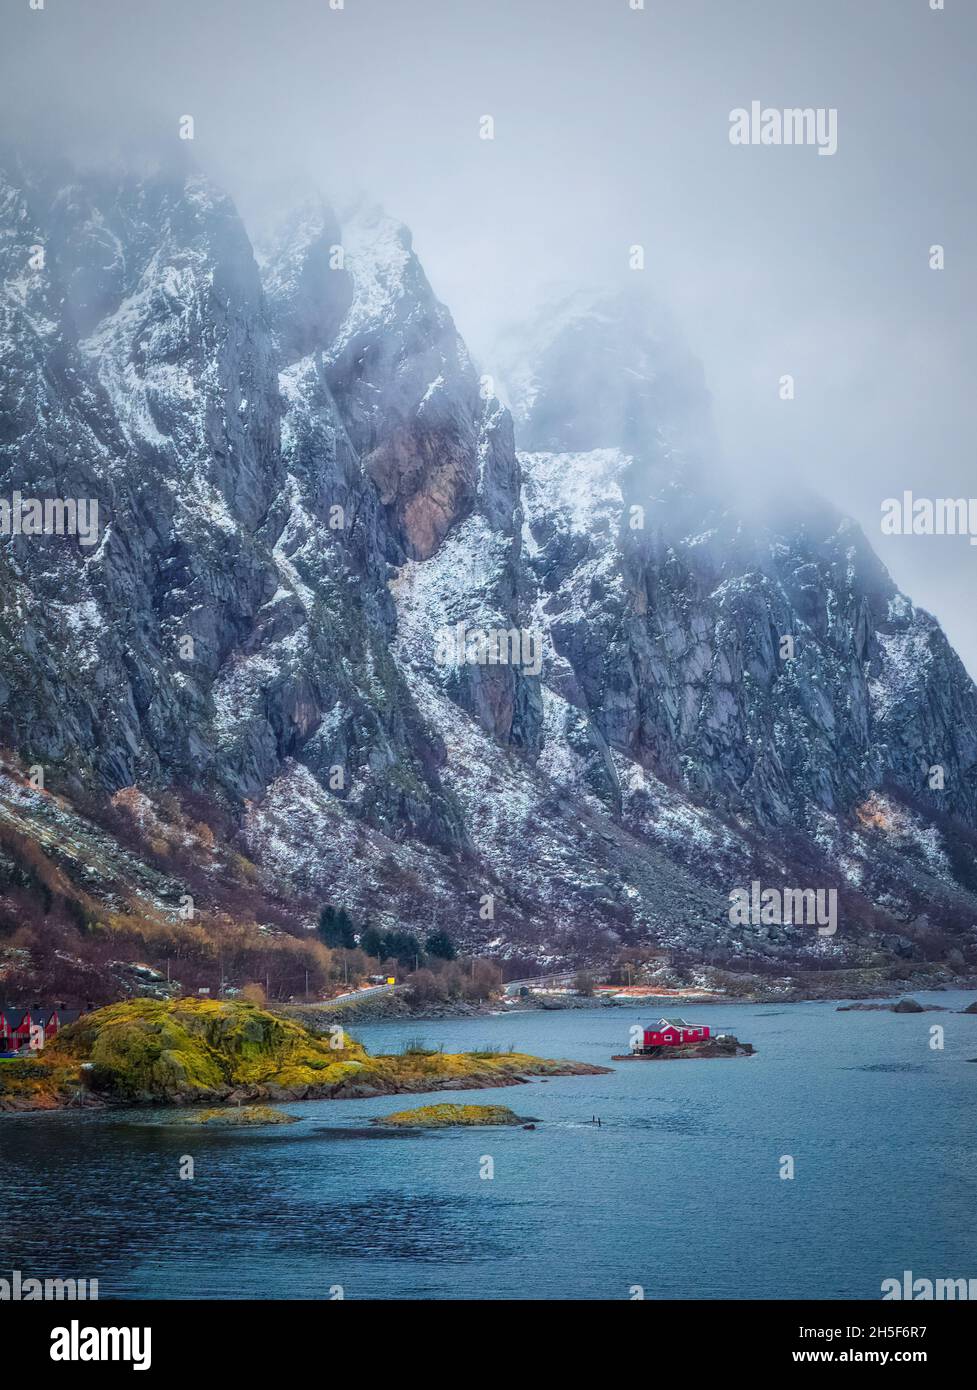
(672, 1032)
(53, 1020)
(15, 1028)
(16, 1023)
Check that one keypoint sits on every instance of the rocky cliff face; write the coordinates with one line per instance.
(304, 484)
(758, 661)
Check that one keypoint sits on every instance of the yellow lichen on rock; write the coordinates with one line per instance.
(446, 1116)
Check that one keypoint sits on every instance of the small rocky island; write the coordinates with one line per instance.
(235, 1117)
(904, 1006)
(448, 1116)
(672, 1039)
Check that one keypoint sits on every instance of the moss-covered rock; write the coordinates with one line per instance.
(157, 1050)
(232, 1116)
(446, 1116)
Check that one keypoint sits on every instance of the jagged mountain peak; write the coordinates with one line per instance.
(307, 287)
(604, 368)
(388, 282)
(396, 367)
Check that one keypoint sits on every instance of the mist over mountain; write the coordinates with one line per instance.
(304, 483)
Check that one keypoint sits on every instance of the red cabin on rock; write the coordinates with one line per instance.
(673, 1032)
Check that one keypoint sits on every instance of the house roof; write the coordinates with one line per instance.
(15, 1015)
(672, 1023)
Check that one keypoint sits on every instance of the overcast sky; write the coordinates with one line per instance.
(611, 129)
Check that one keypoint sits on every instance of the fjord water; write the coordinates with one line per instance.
(678, 1190)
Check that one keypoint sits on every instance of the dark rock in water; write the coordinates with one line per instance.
(904, 1006)
(529, 1126)
(970, 1009)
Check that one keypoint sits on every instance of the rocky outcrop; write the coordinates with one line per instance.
(405, 387)
(237, 1117)
(452, 1116)
(904, 1006)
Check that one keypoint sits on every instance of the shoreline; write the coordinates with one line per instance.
(523, 1074)
(395, 1008)
(418, 1070)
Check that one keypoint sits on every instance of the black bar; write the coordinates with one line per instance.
(719, 1337)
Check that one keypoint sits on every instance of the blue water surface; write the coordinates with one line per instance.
(679, 1191)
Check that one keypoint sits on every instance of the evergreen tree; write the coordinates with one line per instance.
(405, 949)
(373, 943)
(336, 928)
(439, 944)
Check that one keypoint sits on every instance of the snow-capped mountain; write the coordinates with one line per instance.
(304, 483)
